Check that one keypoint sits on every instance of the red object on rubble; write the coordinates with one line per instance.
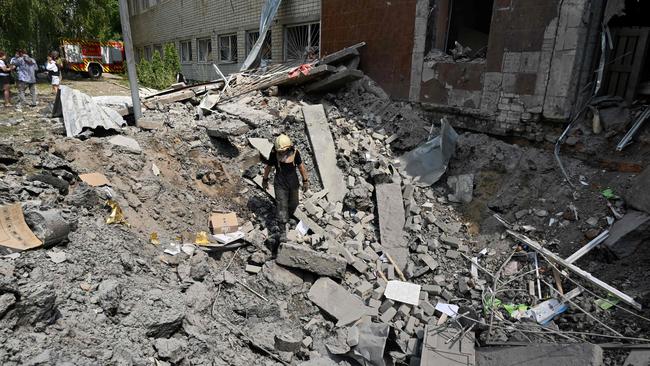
(304, 69)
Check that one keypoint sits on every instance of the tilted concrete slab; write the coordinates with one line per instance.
(335, 81)
(390, 207)
(336, 301)
(582, 354)
(322, 143)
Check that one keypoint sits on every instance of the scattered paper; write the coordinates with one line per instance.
(405, 292)
(188, 249)
(229, 238)
(14, 232)
(155, 169)
(302, 228)
(448, 309)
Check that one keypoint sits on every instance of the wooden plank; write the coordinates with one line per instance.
(575, 269)
(322, 143)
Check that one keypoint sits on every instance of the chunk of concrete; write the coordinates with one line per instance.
(583, 354)
(125, 142)
(251, 116)
(390, 207)
(637, 195)
(301, 256)
(335, 81)
(280, 276)
(336, 301)
(628, 233)
(227, 128)
(264, 146)
(463, 188)
(322, 143)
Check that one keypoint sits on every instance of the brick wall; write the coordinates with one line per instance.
(533, 63)
(387, 27)
(179, 20)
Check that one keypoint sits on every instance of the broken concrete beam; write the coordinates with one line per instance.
(177, 96)
(542, 355)
(342, 55)
(228, 128)
(301, 256)
(313, 74)
(336, 301)
(391, 222)
(324, 149)
(333, 82)
(628, 233)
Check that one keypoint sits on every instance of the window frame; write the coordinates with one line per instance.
(209, 57)
(309, 26)
(249, 45)
(232, 46)
(187, 42)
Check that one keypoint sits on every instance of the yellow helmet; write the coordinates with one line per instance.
(282, 143)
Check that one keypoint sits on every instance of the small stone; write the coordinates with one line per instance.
(388, 315)
(592, 233)
(592, 221)
(353, 336)
(541, 213)
(253, 269)
(452, 254)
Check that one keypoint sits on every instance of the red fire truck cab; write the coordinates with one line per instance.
(92, 57)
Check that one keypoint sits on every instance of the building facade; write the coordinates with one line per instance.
(221, 32)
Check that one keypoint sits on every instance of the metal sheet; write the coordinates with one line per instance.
(81, 112)
(269, 11)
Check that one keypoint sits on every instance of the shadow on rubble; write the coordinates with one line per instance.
(224, 147)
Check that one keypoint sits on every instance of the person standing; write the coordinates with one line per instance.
(54, 72)
(5, 79)
(26, 71)
(285, 158)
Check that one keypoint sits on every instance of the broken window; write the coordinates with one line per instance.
(252, 37)
(205, 49)
(302, 42)
(228, 48)
(469, 27)
(186, 51)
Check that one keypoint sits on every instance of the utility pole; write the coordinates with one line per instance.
(130, 59)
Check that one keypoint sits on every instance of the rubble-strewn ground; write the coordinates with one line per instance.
(118, 299)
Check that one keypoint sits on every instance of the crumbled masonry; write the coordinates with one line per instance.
(389, 271)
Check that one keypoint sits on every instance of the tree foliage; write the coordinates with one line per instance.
(39, 25)
(160, 72)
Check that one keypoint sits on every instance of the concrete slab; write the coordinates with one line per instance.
(264, 146)
(638, 357)
(628, 233)
(303, 257)
(336, 301)
(437, 351)
(390, 207)
(541, 355)
(335, 81)
(322, 143)
(125, 142)
(637, 195)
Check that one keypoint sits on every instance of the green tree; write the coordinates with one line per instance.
(39, 25)
(160, 72)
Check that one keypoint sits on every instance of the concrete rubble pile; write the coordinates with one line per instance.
(378, 268)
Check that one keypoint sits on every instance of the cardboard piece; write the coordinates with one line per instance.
(14, 232)
(95, 179)
(223, 223)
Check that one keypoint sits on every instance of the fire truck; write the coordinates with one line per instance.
(92, 57)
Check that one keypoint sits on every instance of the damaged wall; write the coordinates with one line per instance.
(388, 30)
(534, 59)
(183, 20)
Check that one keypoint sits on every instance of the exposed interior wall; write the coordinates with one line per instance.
(530, 71)
(387, 27)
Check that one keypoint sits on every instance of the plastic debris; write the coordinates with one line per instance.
(202, 238)
(229, 238)
(117, 215)
(153, 238)
(608, 193)
(608, 303)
